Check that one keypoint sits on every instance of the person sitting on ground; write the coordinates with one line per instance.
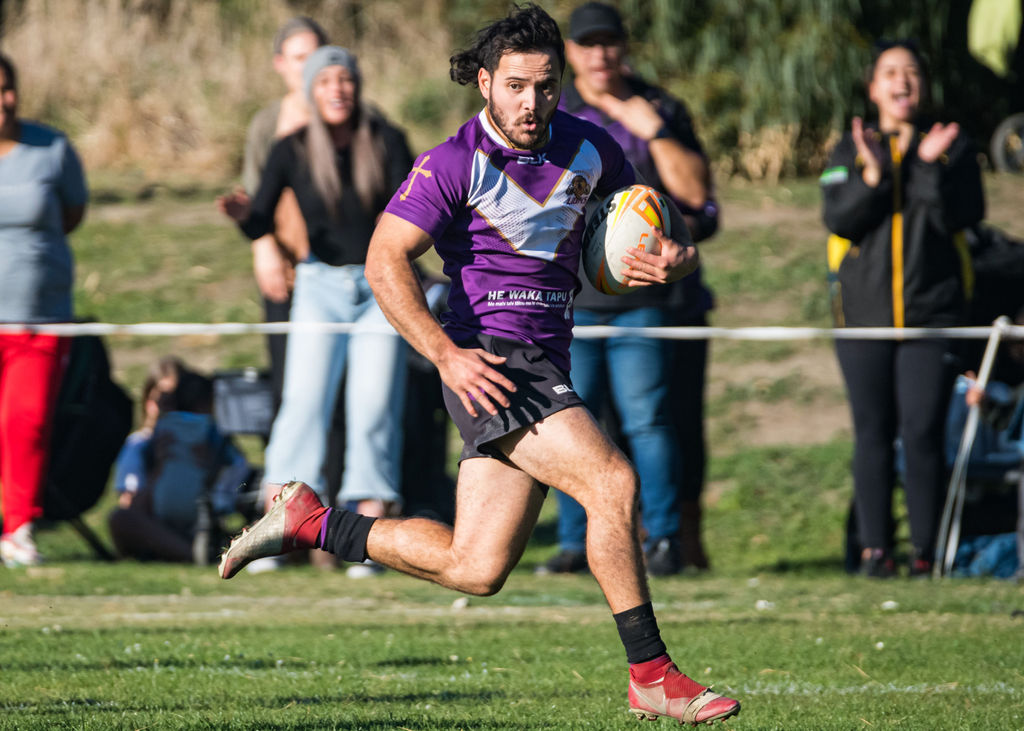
(130, 467)
(999, 402)
(185, 461)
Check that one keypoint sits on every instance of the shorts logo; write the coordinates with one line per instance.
(578, 191)
(561, 388)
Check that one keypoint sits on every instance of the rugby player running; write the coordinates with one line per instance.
(503, 203)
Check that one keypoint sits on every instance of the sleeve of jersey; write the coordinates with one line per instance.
(433, 191)
(616, 171)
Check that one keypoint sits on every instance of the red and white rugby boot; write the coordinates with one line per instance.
(676, 696)
(277, 532)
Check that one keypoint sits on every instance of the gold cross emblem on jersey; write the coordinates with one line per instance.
(418, 170)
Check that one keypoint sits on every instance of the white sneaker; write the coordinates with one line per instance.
(365, 570)
(18, 549)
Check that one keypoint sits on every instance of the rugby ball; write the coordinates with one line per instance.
(624, 220)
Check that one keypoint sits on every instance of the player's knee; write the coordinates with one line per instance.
(481, 580)
(622, 487)
(485, 588)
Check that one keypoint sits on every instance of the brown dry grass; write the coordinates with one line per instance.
(167, 88)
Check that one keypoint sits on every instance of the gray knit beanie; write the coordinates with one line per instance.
(323, 57)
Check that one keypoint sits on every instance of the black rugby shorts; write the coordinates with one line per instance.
(541, 390)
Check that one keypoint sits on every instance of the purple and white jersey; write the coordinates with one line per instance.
(508, 223)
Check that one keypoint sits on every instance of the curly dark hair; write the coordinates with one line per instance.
(527, 28)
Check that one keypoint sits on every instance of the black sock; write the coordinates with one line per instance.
(638, 630)
(346, 534)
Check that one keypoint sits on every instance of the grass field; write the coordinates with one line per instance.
(86, 645)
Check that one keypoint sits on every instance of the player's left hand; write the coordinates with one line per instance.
(672, 263)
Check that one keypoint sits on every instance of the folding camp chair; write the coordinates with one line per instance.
(994, 456)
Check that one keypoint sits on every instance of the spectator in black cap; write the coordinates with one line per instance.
(662, 417)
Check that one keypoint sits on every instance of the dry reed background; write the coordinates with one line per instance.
(165, 88)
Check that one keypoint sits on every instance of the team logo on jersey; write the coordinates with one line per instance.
(420, 169)
(578, 191)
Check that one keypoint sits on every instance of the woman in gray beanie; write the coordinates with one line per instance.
(343, 167)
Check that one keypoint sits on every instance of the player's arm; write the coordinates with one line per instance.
(396, 243)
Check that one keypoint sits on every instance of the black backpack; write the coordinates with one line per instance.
(92, 418)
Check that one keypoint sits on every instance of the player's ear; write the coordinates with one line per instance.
(483, 82)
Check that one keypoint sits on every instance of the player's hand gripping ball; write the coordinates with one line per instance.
(624, 220)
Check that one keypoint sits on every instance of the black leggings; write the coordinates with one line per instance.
(897, 388)
(686, 402)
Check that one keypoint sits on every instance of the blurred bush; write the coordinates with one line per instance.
(168, 86)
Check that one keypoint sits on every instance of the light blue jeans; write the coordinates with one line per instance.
(374, 392)
(633, 373)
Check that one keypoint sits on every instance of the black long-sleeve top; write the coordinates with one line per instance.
(908, 262)
(335, 240)
(688, 298)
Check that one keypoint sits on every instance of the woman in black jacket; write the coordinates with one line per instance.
(897, 197)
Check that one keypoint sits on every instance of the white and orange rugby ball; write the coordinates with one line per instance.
(624, 220)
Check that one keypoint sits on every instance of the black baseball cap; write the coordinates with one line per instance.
(593, 18)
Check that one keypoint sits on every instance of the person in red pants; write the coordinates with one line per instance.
(42, 199)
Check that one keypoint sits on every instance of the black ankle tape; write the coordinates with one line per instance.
(638, 630)
(346, 535)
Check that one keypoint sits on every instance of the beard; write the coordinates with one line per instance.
(522, 139)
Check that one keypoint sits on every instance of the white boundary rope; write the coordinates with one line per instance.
(1015, 332)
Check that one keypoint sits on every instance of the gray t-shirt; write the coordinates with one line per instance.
(39, 178)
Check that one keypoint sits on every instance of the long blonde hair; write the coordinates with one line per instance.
(369, 159)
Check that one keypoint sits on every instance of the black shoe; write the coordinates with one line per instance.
(691, 553)
(564, 562)
(664, 558)
(878, 565)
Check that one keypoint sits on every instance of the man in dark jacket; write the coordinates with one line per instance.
(656, 387)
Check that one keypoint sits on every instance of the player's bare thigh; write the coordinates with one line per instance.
(496, 508)
(569, 451)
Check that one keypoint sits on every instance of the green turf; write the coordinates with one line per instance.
(305, 650)
(87, 645)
